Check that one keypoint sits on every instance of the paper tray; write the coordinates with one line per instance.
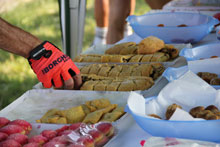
(203, 51)
(33, 104)
(100, 49)
(208, 65)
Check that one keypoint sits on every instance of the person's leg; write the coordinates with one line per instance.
(101, 11)
(119, 10)
(157, 4)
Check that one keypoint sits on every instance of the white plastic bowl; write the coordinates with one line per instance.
(198, 26)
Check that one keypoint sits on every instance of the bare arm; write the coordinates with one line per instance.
(15, 40)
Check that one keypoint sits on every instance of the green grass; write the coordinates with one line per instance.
(40, 18)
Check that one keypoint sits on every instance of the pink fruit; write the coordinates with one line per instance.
(3, 121)
(106, 128)
(10, 143)
(49, 134)
(20, 138)
(32, 144)
(66, 132)
(54, 144)
(99, 138)
(86, 140)
(60, 139)
(12, 129)
(217, 15)
(75, 144)
(75, 126)
(3, 136)
(22, 123)
(38, 139)
(62, 129)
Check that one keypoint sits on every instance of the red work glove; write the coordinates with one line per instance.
(52, 66)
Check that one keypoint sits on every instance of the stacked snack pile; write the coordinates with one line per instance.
(91, 112)
(210, 112)
(109, 77)
(14, 134)
(150, 49)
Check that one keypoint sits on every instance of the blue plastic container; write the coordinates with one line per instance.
(206, 130)
(198, 26)
(203, 51)
(172, 73)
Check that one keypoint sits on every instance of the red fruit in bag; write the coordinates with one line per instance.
(106, 128)
(49, 134)
(12, 129)
(3, 121)
(20, 138)
(38, 139)
(10, 143)
(3, 136)
(32, 144)
(22, 123)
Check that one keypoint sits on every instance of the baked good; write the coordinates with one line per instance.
(150, 45)
(135, 59)
(207, 76)
(194, 111)
(122, 48)
(171, 109)
(170, 50)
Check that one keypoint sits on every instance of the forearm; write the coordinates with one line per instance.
(15, 40)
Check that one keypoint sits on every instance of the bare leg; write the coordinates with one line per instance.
(119, 10)
(157, 4)
(102, 12)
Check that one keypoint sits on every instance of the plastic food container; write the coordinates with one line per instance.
(198, 26)
(198, 130)
(201, 52)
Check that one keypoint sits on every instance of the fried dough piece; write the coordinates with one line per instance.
(78, 58)
(99, 103)
(127, 70)
(207, 76)
(171, 50)
(194, 111)
(136, 58)
(94, 69)
(116, 49)
(88, 85)
(158, 69)
(53, 119)
(113, 86)
(150, 45)
(74, 114)
(127, 85)
(93, 117)
(101, 85)
(50, 112)
(143, 84)
(171, 109)
(212, 108)
(119, 109)
(85, 69)
(159, 57)
(109, 108)
(154, 115)
(85, 109)
(215, 81)
(61, 120)
(132, 49)
(113, 116)
(115, 71)
(147, 58)
(104, 71)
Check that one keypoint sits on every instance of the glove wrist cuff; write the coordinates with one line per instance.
(38, 51)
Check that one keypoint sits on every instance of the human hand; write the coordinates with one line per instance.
(54, 68)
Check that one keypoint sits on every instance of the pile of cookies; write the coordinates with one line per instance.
(91, 112)
(210, 78)
(210, 112)
(109, 77)
(150, 49)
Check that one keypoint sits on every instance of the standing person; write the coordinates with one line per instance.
(52, 67)
(110, 18)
